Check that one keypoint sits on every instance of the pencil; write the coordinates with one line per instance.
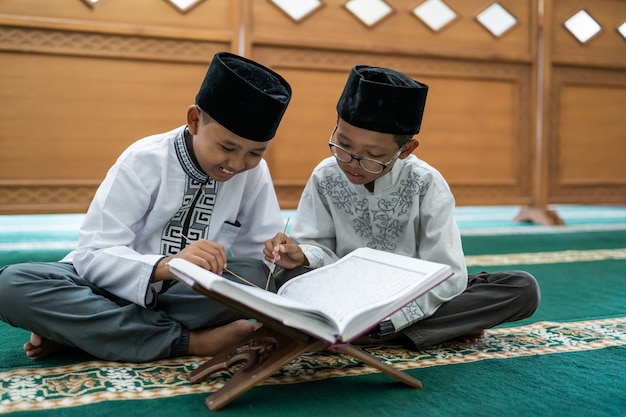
(269, 276)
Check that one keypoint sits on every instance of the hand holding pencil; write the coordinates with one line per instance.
(284, 252)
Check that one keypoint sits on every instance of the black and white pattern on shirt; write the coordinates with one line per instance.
(194, 216)
(192, 219)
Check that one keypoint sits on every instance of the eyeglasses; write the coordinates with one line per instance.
(370, 165)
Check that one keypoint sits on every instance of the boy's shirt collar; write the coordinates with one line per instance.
(185, 158)
(390, 178)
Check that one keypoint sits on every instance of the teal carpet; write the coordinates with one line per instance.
(43, 237)
(568, 359)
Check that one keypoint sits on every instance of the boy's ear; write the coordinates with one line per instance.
(409, 147)
(193, 119)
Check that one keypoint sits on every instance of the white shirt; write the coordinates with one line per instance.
(143, 206)
(410, 212)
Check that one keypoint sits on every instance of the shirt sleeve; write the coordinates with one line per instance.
(105, 254)
(313, 227)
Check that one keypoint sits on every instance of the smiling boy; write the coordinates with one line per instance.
(197, 192)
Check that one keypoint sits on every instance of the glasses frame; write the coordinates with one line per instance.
(383, 165)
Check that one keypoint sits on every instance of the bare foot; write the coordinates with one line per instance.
(209, 342)
(38, 347)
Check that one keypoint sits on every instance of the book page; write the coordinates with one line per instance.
(351, 286)
(191, 274)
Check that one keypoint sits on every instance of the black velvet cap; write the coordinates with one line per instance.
(243, 96)
(382, 100)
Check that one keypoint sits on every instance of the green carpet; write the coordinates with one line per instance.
(568, 359)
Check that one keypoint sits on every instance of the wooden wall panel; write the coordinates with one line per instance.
(531, 117)
(81, 113)
(333, 26)
(477, 128)
(84, 83)
(140, 16)
(587, 136)
(606, 49)
(585, 129)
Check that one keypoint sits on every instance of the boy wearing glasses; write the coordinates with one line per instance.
(197, 192)
(373, 192)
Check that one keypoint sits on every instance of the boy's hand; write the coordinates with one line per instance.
(284, 252)
(204, 253)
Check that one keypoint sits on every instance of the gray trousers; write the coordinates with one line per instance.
(490, 299)
(51, 300)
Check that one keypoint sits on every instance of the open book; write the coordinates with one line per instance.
(335, 303)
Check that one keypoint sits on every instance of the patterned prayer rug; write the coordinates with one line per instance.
(92, 382)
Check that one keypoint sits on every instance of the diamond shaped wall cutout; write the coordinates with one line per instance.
(582, 26)
(297, 9)
(496, 19)
(91, 3)
(622, 30)
(435, 13)
(184, 6)
(369, 12)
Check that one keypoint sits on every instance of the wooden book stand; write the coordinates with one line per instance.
(266, 351)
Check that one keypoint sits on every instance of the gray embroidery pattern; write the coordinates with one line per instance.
(412, 312)
(381, 224)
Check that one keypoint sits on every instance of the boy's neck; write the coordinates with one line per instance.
(189, 144)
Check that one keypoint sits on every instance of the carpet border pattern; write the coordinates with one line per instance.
(97, 381)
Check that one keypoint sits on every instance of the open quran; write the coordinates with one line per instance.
(336, 303)
(324, 309)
